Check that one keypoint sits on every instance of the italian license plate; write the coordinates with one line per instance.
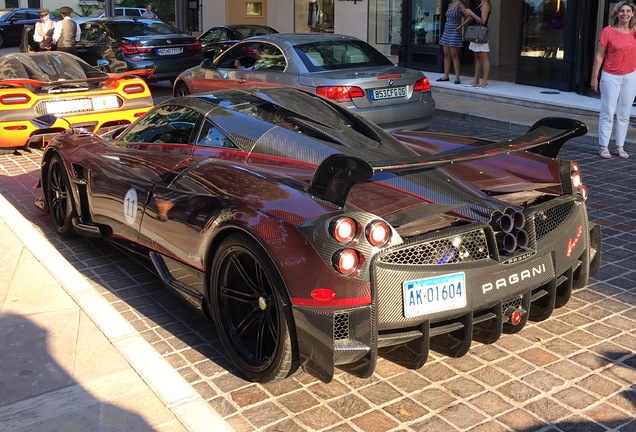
(105, 102)
(59, 107)
(388, 93)
(441, 293)
(169, 51)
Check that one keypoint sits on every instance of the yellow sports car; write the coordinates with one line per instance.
(60, 84)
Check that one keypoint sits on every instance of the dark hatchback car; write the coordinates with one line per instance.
(219, 38)
(133, 43)
(12, 22)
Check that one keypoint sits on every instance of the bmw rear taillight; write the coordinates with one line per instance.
(134, 88)
(130, 49)
(14, 99)
(422, 85)
(340, 93)
(194, 46)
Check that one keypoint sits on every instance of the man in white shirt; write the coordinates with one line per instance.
(66, 33)
(43, 31)
(149, 13)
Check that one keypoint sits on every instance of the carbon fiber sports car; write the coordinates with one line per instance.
(58, 83)
(315, 239)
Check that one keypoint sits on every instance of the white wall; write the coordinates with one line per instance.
(213, 13)
(352, 19)
(281, 15)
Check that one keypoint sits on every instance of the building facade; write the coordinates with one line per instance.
(544, 43)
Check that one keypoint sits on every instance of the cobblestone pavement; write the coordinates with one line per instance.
(574, 372)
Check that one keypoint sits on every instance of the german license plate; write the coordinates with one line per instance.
(169, 51)
(441, 293)
(388, 93)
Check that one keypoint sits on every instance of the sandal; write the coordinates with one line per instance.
(605, 154)
(622, 153)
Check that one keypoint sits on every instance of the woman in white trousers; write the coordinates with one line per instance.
(617, 54)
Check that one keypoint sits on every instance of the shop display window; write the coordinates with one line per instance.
(313, 16)
(544, 27)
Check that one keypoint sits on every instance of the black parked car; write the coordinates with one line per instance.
(12, 22)
(218, 39)
(135, 43)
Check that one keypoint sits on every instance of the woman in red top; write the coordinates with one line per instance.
(617, 54)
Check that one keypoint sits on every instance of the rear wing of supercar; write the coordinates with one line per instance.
(337, 174)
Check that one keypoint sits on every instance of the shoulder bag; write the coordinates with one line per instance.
(476, 33)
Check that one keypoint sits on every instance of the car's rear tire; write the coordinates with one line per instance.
(1, 40)
(181, 89)
(251, 311)
(59, 198)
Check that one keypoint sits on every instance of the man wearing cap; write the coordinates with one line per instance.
(67, 33)
(43, 32)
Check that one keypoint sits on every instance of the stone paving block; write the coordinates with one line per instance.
(491, 403)
(519, 419)
(575, 398)
(375, 421)
(349, 405)
(264, 414)
(462, 416)
(380, 393)
(433, 424)
(318, 417)
(406, 410)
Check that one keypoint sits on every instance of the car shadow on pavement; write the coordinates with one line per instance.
(36, 393)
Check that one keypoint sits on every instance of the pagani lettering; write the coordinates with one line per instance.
(514, 278)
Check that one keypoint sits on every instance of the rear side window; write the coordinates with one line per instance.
(334, 55)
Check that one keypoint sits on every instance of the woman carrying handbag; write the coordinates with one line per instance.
(482, 63)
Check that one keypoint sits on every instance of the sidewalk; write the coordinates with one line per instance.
(516, 107)
(69, 361)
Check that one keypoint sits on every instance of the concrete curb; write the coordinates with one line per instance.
(194, 413)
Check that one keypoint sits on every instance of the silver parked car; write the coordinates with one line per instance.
(341, 68)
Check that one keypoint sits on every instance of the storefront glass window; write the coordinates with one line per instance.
(544, 25)
(313, 16)
(426, 21)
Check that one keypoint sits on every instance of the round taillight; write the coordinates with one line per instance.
(346, 261)
(575, 166)
(378, 233)
(343, 229)
(576, 180)
(584, 191)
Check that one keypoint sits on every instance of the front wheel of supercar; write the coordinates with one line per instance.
(59, 197)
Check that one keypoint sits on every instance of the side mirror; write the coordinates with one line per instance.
(208, 64)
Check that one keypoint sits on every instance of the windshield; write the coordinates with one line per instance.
(140, 28)
(4, 14)
(334, 55)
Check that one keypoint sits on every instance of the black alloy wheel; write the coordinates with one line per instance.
(59, 198)
(251, 311)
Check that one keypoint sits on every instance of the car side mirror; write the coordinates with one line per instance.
(208, 64)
